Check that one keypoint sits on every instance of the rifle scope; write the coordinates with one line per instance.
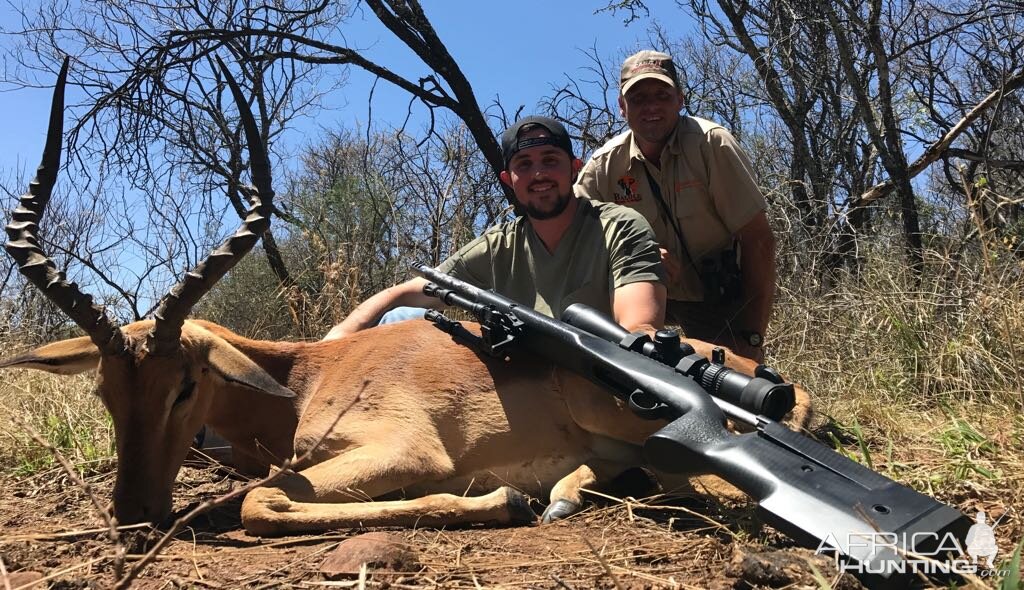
(765, 394)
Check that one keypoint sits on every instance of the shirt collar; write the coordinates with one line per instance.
(583, 205)
(674, 146)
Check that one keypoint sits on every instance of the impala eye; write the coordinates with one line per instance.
(187, 389)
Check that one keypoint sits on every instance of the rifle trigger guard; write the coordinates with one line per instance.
(646, 406)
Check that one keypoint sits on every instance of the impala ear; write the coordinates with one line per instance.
(234, 367)
(67, 357)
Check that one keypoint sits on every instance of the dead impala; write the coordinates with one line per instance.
(414, 415)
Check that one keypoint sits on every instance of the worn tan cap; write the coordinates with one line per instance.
(647, 64)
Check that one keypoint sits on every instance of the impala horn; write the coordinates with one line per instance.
(23, 232)
(178, 303)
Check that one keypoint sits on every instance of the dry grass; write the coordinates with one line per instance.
(64, 410)
(930, 373)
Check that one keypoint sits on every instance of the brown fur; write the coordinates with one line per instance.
(415, 415)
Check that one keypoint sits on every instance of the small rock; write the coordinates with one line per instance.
(381, 552)
(783, 569)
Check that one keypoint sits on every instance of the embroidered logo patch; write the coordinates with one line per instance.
(681, 186)
(629, 193)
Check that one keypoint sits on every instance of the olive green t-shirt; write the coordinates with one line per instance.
(605, 247)
(706, 180)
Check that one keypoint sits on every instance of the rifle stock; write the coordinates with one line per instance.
(804, 489)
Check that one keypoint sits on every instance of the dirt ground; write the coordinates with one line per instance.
(53, 536)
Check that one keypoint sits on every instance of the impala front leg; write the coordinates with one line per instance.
(338, 494)
(271, 512)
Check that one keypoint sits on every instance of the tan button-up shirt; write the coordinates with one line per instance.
(707, 183)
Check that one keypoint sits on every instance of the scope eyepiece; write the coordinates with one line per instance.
(759, 394)
(765, 393)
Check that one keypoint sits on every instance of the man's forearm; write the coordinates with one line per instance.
(759, 294)
(368, 313)
(758, 268)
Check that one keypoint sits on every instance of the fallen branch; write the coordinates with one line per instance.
(70, 534)
(632, 504)
(3, 574)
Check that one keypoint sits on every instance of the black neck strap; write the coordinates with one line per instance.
(671, 218)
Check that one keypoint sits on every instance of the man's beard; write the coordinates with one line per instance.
(534, 212)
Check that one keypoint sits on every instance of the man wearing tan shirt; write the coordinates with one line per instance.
(691, 180)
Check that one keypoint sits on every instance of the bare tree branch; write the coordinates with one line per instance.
(941, 146)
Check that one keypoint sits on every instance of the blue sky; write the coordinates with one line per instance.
(515, 50)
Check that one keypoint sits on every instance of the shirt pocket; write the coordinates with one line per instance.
(690, 199)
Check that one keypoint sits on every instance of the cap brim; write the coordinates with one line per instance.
(629, 83)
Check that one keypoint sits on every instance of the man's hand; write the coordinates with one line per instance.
(673, 268)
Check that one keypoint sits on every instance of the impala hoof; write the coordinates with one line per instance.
(519, 511)
(560, 509)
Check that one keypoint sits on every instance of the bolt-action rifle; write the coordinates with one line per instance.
(809, 492)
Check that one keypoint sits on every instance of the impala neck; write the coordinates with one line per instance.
(259, 425)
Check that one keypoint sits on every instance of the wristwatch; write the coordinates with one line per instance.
(752, 338)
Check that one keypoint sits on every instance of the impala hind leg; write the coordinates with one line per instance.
(567, 495)
(336, 494)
